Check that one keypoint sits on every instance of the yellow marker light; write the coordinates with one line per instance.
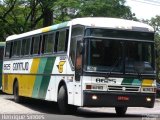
(94, 97)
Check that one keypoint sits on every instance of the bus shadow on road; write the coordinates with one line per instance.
(40, 106)
(51, 108)
(95, 114)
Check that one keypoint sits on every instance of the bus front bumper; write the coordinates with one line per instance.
(118, 99)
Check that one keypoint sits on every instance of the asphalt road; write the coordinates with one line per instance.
(32, 109)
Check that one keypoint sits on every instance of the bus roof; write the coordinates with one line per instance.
(104, 22)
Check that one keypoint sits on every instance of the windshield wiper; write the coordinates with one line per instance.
(113, 67)
(139, 74)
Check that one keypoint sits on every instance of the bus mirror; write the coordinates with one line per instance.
(81, 48)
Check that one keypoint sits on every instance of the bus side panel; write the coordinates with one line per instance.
(58, 74)
(24, 72)
(61, 72)
(43, 77)
(7, 83)
(23, 80)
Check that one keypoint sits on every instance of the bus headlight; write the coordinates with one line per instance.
(94, 97)
(148, 99)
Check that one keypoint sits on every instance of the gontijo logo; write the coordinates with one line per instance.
(60, 66)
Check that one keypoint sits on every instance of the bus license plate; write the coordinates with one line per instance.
(123, 98)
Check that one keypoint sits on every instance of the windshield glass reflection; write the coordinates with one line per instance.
(138, 58)
(106, 55)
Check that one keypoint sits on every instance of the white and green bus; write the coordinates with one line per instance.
(85, 62)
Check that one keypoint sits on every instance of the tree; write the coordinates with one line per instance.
(155, 23)
(68, 9)
(157, 46)
(18, 16)
(105, 8)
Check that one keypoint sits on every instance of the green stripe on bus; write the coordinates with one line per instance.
(131, 81)
(46, 78)
(38, 80)
(62, 25)
(127, 81)
(136, 82)
(58, 26)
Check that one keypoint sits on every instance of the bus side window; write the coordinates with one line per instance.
(48, 43)
(56, 42)
(63, 40)
(16, 48)
(77, 33)
(72, 50)
(66, 41)
(36, 42)
(25, 47)
(8, 49)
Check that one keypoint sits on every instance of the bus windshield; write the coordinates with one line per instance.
(112, 55)
(103, 55)
(139, 58)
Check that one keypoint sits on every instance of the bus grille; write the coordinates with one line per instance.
(123, 88)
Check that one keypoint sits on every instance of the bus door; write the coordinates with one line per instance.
(78, 73)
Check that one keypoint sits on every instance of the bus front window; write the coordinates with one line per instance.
(119, 51)
(125, 57)
(104, 55)
(138, 58)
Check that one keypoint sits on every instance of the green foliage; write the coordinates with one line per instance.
(157, 45)
(17, 16)
(155, 22)
(103, 8)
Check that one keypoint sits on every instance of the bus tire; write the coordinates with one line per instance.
(63, 102)
(17, 98)
(120, 111)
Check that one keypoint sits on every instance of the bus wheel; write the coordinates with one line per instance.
(16, 93)
(63, 102)
(120, 111)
